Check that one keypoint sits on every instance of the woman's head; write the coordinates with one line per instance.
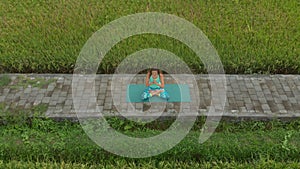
(155, 71)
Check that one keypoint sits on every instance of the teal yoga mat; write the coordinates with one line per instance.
(177, 92)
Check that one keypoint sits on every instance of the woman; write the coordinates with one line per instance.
(155, 85)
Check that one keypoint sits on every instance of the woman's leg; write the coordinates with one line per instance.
(156, 92)
(160, 92)
(146, 94)
(164, 94)
(152, 93)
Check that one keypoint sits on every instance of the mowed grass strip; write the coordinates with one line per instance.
(250, 36)
(38, 140)
(151, 164)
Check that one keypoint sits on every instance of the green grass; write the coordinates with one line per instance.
(262, 164)
(20, 116)
(4, 80)
(44, 142)
(250, 36)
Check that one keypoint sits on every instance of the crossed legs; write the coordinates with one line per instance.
(155, 92)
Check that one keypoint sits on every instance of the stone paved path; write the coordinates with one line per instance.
(253, 96)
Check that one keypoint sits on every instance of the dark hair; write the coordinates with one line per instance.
(155, 69)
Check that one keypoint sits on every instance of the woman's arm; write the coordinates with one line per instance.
(147, 79)
(162, 85)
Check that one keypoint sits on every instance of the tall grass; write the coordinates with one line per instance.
(261, 164)
(42, 140)
(250, 36)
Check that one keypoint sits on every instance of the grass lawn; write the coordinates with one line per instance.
(262, 164)
(46, 143)
(260, 36)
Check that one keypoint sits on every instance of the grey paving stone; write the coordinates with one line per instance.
(36, 102)
(280, 91)
(257, 88)
(265, 107)
(139, 106)
(107, 106)
(102, 90)
(39, 96)
(247, 100)
(61, 99)
(28, 106)
(46, 100)
(246, 95)
(253, 97)
(22, 102)
(68, 102)
(63, 94)
(289, 94)
(52, 103)
(2, 98)
(27, 90)
(51, 87)
(292, 100)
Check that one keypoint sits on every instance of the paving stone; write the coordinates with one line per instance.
(39, 96)
(107, 106)
(283, 111)
(289, 94)
(28, 106)
(246, 95)
(2, 98)
(46, 100)
(36, 102)
(239, 103)
(63, 94)
(100, 102)
(277, 100)
(67, 108)
(249, 107)
(265, 107)
(67, 82)
(102, 91)
(247, 100)
(51, 87)
(280, 91)
(27, 90)
(68, 102)
(139, 106)
(22, 102)
(286, 88)
(10, 96)
(52, 103)
(287, 105)
(292, 100)
(61, 99)
(283, 97)
(262, 100)
(253, 97)
(280, 107)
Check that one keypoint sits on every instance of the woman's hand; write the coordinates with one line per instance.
(158, 84)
